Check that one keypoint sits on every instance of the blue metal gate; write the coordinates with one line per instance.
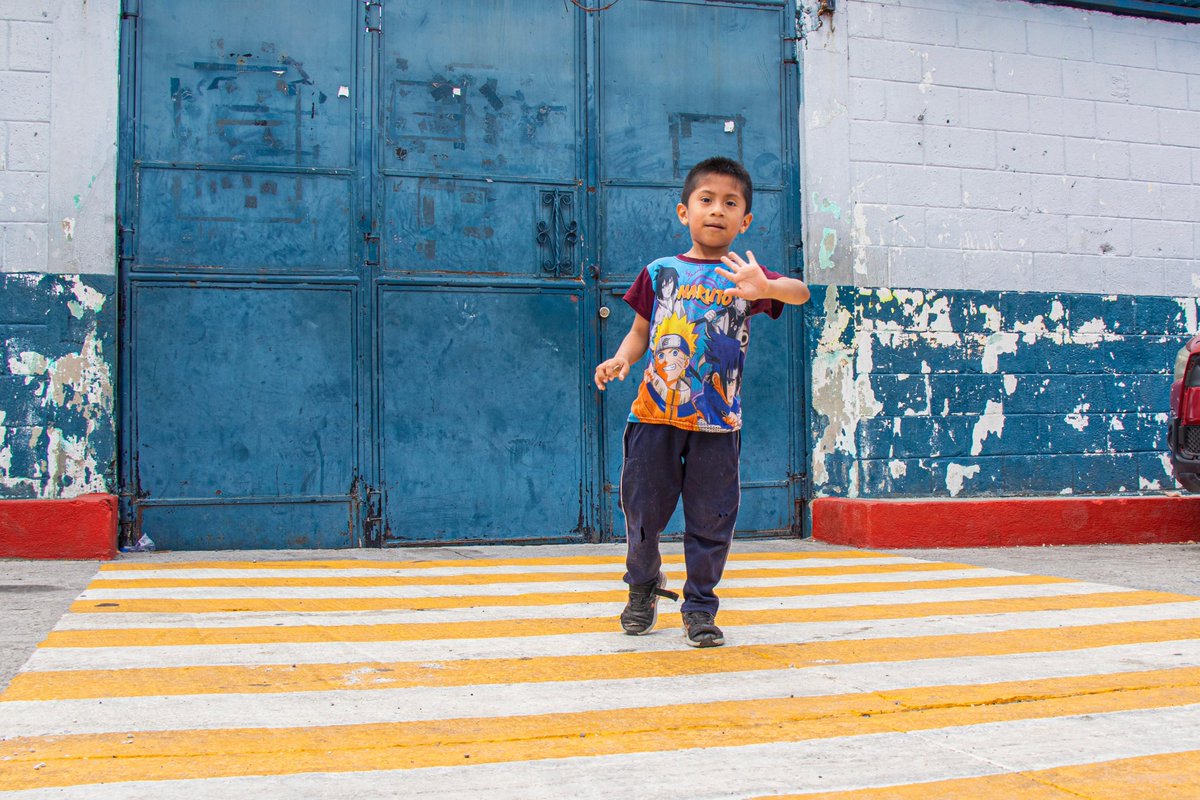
(367, 247)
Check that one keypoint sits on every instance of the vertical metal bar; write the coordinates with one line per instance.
(370, 109)
(798, 388)
(596, 525)
(128, 484)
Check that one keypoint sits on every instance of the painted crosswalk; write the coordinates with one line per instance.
(846, 674)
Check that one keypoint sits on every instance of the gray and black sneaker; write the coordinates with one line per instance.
(700, 630)
(641, 612)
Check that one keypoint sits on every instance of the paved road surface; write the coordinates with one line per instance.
(500, 672)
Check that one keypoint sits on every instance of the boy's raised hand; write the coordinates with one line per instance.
(614, 368)
(750, 282)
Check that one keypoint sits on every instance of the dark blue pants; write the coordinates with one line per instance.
(661, 463)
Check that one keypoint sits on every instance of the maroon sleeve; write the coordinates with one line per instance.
(772, 308)
(640, 296)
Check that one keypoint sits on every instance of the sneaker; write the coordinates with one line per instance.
(641, 612)
(700, 630)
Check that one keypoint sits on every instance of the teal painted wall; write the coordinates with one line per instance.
(966, 394)
(57, 431)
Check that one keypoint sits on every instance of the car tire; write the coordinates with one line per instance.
(1190, 481)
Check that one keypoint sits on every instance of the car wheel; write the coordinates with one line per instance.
(1190, 481)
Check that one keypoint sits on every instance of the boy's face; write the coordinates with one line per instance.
(715, 214)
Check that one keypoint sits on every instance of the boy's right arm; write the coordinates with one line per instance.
(631, 350)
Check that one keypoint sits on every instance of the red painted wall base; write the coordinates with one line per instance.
(1005, 522)
(81, 528)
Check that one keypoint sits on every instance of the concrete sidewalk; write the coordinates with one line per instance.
(499, 671)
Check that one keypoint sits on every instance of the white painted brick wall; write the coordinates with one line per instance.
(29, 46)
(58, 135)
(999, 144)
(25, 117)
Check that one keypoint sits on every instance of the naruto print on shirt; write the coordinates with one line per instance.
(699, 334)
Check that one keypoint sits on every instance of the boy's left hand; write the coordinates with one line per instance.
(750, 282)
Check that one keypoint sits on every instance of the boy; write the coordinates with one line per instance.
(684, 429)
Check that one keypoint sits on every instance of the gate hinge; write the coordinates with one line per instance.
(124, 243)
(791, 49)
(374, 22)
(131, 9)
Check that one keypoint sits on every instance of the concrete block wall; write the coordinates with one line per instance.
(58, 158)
(25, 64)
(997, 144)
(1032, 172)
(955, 393)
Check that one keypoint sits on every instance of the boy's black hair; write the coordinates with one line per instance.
(719, 165)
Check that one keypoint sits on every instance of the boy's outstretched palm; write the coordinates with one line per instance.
(750, 282)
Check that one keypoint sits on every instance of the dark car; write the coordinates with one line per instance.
(1183, 428)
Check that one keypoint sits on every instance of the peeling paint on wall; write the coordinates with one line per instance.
(860, 240)
(828, 246)
(57, 432)
(956, 476)
(990, 423)
(86, 299)
(967, 393)
(997, 344)
(76, 380)
(833, 390)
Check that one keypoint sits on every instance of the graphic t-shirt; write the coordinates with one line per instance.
(699, 334)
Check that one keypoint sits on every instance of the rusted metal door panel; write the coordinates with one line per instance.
(240, 221)
(244, 135)
(680, 81)
(244, 406)
(242, 262)
(482, 428)
(256, 84)
(482, 116)
(477, 87)
(464, 227)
